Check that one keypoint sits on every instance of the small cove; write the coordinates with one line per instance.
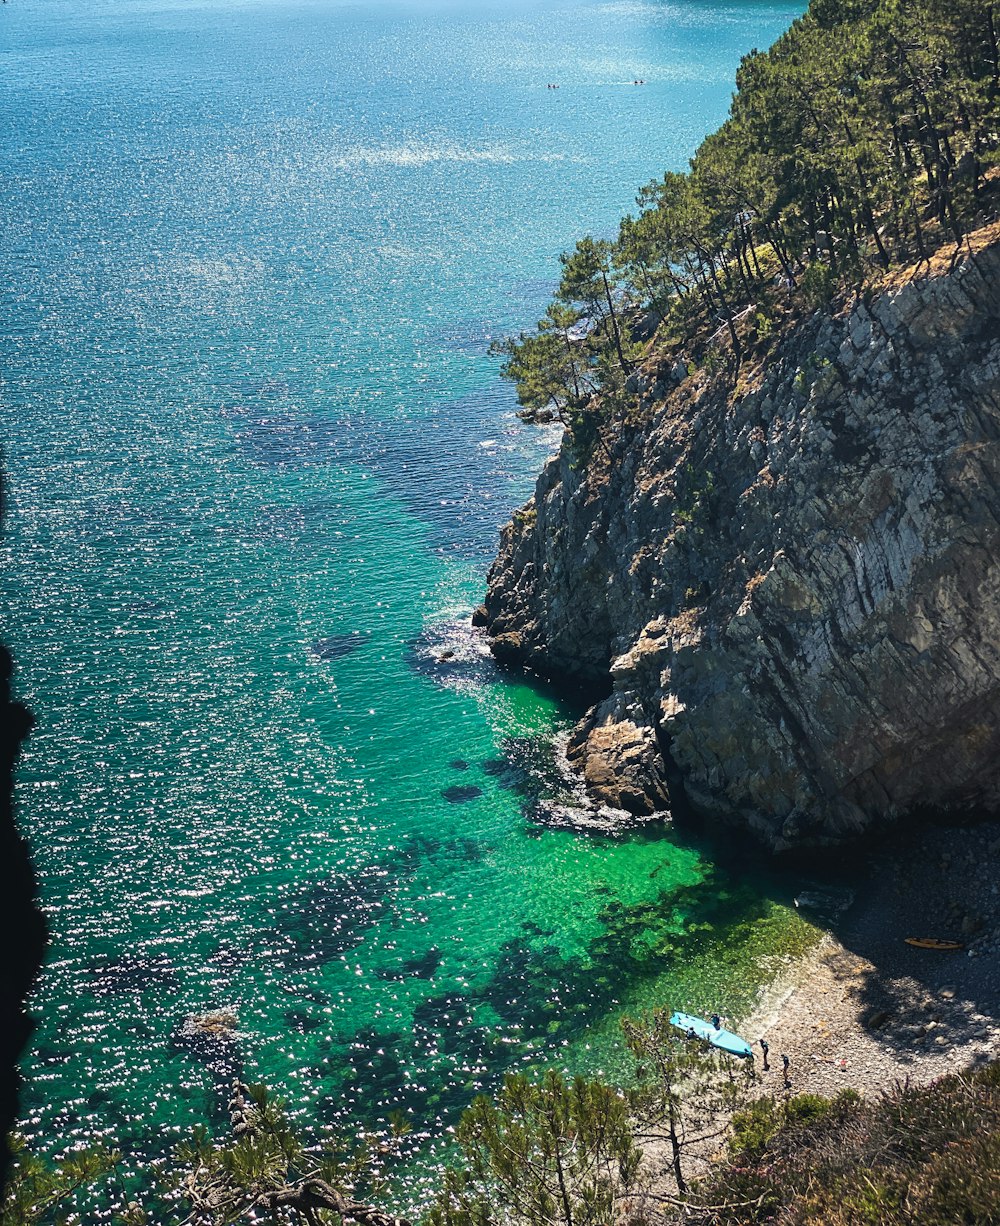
(257, 458)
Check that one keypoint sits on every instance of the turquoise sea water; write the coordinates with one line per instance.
(253, 255)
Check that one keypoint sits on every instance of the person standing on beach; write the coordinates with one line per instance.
(716, 1021)
(785, 1063)
(765, 1048)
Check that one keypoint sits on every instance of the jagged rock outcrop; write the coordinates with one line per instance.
(790, 593)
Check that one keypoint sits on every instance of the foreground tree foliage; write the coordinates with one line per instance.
(262, 1171)
(43, 1192)
(266, 1172)
(866, 136)
(558, 1152)
(685, 1091)
(565, 1152)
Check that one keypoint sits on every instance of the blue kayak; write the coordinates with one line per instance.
(725, 1040)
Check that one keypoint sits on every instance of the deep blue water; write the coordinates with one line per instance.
(253, 256)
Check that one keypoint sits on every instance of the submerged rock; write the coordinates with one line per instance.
(459, 794)
(217, 1026)
(132, 973)
(789, 595)
(213, 1038)
(337, 646)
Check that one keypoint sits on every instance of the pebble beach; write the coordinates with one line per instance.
(864, 1009)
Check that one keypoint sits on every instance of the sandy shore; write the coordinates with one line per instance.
(864, 1009)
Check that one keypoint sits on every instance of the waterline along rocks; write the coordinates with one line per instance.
(788, 594)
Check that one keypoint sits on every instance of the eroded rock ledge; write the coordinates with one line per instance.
(791, 593)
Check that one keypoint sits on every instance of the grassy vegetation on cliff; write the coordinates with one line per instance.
(865, 137)
(927, 1156)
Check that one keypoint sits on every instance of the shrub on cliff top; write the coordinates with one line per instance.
(914, 1156)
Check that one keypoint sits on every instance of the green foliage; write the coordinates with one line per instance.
(526, 517)
(805, 1109)
(809, 374)
(694, 494)
(759, 1123)
(754, 1128)
(925, 1155)
(41, 1191)
(818, 284)
(543, 1152)
(763, 325)
(685, 1088)
(267, 1164)
(862, 138)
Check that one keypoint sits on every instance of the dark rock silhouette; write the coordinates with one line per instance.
(20, 917)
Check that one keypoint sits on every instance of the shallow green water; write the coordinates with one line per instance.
(258, 457)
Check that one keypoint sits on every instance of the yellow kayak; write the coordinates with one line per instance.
(934, 943)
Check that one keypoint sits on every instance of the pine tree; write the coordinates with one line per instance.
(542, 1153)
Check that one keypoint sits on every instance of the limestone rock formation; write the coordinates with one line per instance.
(790, 593)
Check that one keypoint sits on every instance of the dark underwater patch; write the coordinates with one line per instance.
(317, 998)
(54, 1055)
(131, 973)
(472, 850)
(299, 1020)
(337, 646)
(458, 764)
(458, 795)
(542, 992)
(443, 1011)
(369, 1081)
(423, 966)
(280, 436)
(228, 957)
(329, 918)
(454, 467)
(466, 336)
(266, 389)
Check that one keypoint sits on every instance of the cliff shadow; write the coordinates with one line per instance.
(19, 913)
(929, 881)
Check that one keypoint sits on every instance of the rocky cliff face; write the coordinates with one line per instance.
(789, 593)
